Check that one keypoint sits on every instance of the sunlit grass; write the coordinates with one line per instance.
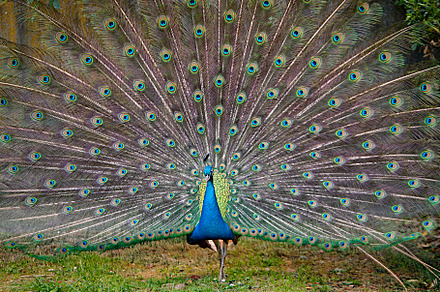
(165, 265)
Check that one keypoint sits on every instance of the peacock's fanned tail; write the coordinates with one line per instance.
(320, 131)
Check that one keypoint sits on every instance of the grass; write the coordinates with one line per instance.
(167, 265)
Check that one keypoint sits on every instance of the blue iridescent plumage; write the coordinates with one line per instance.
(317, 128)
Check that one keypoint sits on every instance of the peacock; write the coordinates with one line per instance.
(303, 121)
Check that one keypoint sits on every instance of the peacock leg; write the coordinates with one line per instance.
(223, 247)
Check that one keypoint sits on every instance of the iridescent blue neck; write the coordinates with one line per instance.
(211, 224)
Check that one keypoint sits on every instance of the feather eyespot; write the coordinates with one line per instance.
(3, 102)
(414, 183)
(363, 8)
(151, 116)
(326, 217)
(233, 130)
(396, 101)
(272, 93)
(191, 3)
(170, 143)
(13, 62)
(430, 121)
(67, 133)
(171, 87)
(341, 133)
(279, 61)
(385, 57)
(86, 59)
(200, 128)
(97, 121)
(217, 148)
(104, 91)
(199, 31)
(361, 217)
(37, 115)
(315, 129)
(368, 145)
(129, 50)
(219, 81)
(328, 185)
(295, 217)
(35, 156)
(241, 98)
(50, 183)
(194, 67)
(218, 110)
(426, 87)
(260, 38)
(165, 55)
(44, 79)
(102, 180)
(345, 202)
(236, 156)
(296, 33)
(273, 186)
(256, 122)
(380, 194)
(38, 237)
(193, 152)
(427, 155)
(197, 95)
(110, 23)
(315, 62)
(302, 92)
(143, 142)
(307, 175)
(61, 37)
(396, 129)
(70, 167)
(390, 235)
(171, 166)
(162, 21)
(226, 50)
(315, 155)
(366, 112)
(289, 146)
(178, 117)
(285, 167)
(337, 38)
(295, 192)
(84, 193)
(251, 68)
(67, 209)
(139, 85)
(118, 145)
(122, 172)
(393, 166)
(355, 76)
(229, 16)
(334, 102)
(13, 169)
(70, 97)
(362, 177)
(397, 209)
(266, 4)
(94, 151)
(263, 145)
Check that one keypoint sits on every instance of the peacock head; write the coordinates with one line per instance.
(207, 172)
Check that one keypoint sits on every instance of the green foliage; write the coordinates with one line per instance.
(426, 11)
